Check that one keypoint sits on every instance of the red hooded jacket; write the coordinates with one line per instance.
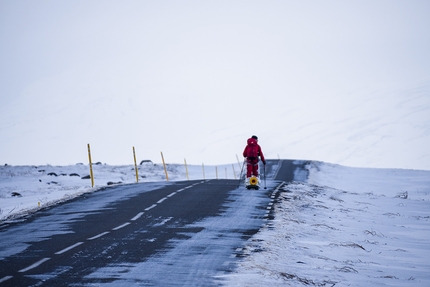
(246, 152)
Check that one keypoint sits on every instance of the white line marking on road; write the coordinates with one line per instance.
(5, 278)
(161, 200)
(151, 207)
(182, 189)
(68, 248)
(121, 226)
(99, 235)
(172, 194)
(137, 216)
(34, 265)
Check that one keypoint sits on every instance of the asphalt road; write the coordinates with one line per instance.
(185, 233)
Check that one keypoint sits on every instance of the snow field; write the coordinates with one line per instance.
(366, 233)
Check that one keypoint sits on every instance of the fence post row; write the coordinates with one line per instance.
(164, 165)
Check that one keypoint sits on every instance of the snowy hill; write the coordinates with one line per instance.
(387, 128)
(344, 226)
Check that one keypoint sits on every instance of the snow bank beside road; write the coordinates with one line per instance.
(345, 227)
(388, 182)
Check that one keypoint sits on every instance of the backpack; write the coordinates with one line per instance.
(252, 150)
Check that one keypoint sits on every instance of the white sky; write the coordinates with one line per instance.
(194, 78)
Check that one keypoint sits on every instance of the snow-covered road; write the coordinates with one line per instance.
(187, 233)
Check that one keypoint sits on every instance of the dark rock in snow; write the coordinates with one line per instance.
(52, 173)
(145, 161)
(111, 183)
(74, 174)
(86, 177)
(403, 195)
(16, 194)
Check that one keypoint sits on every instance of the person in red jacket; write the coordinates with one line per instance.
(251, 153)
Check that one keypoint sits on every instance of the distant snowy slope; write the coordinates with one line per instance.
(369, 128)
(382, 126)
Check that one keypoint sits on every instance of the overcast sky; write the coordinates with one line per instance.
(163, 75)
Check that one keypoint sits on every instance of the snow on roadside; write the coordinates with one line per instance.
(344, 227)
(25, 189)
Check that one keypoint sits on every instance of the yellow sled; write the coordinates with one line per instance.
(252, 182)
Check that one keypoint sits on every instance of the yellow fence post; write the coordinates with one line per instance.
(135, 166)
(186, 169)
(165, 169)
(91, 166)
(203, 168)
(234, 172)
